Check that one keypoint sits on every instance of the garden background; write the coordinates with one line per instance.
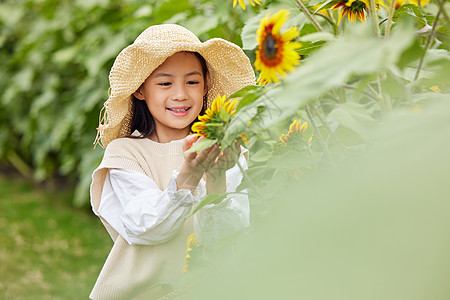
(354, 205)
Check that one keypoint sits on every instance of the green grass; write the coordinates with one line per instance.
(48, 248)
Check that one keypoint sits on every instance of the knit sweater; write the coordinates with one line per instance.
(131, 270)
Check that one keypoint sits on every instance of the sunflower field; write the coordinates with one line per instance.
(348, 130)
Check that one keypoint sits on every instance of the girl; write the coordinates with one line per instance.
(145, 186)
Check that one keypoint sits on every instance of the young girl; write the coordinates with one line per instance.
(145, 185)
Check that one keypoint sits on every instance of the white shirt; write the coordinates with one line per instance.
(143, 214)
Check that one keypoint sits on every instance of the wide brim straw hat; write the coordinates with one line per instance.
(229, 70)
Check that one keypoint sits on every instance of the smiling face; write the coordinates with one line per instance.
(174, 96)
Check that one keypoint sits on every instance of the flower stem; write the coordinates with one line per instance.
(444, 13)
(325, 123)
(247, 178)
(309, 15)
(316, 130)
(428, 43)
(389, 20)
(370, 92)
(374, 17)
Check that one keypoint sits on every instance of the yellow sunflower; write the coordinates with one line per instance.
(192, 244)
(242, 3)
(400, 3)
(296, 138)
(213, 123)
(295, 128)
(276, 52)
(354, 9)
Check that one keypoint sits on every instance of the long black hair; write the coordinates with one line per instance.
(142, 118)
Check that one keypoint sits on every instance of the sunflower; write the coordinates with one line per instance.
(436, 89)
(192, 244)
(354, 9)
(400, 3)
(213, 123)
(276, 52)
(244, 138)
(296, 138)
(242, 3)
(295, 128)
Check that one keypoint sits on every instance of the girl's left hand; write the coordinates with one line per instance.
(224, 161)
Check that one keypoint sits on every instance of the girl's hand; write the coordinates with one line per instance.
(195, 164)
(216, 175)
(202, 160)
(224, 161)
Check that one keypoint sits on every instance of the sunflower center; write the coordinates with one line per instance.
(269, 47)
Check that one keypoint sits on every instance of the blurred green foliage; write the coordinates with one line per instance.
(48, 250)
(55, 58)
(375, 228)
(361, 212)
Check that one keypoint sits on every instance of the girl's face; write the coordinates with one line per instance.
(174, 95)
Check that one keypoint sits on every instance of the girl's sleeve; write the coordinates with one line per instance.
(214, 222)
(139, 211)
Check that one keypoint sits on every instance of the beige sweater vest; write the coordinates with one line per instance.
(139, 270)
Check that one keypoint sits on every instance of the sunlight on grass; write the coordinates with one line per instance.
(48, 249)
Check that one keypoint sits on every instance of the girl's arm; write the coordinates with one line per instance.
(139, 211)
(217, 221)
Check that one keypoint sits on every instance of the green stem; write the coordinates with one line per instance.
(374, 92)
(428, 43)
(386, 104)
(374, 17)
(332, 23)
(317, 132)
(342, 95)
(247, 178)
(441, 6)
(309, 15)
(325, 123)
(371, 93)
(389, 20)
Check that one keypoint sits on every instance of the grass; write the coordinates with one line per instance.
(48, 248)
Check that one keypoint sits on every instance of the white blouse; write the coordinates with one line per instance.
(143, 214)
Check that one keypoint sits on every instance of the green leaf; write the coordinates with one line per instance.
(317, 36)
(201, 23)
(249, 94)
(168, 8)
(412, 11)
(309, 47)
(201, 145)
(245, 91)
(355, 117)
(209, 199)
(248, 34)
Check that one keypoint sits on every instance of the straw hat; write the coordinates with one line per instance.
(229, 70)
